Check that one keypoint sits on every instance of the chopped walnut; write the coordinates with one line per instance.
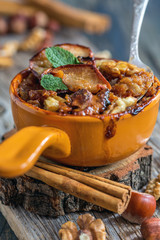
(68, 231)
(52, 103)
(34, 40)
(122, 103)
(90, 229)
(9, 49)
(153, 187)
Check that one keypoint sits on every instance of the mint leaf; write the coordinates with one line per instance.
(59, 56)
(49, 82)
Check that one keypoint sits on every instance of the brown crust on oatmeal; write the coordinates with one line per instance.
(127, 80)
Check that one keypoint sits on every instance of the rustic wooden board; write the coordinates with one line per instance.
(39, 198)
(30, 226)
(25, 226)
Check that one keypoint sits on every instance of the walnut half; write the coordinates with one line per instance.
(153, 187)
(90, 229)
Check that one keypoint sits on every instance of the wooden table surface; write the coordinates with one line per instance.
(117, 41)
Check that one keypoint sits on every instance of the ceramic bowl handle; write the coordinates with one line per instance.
(20, 152)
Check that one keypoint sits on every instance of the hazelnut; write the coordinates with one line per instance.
(53, 26)
(3, 26)
(150, 229)
(141, 207)
(40, 19)
(18, 24)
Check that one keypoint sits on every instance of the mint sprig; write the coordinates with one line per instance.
(49, 82)
(59, 56)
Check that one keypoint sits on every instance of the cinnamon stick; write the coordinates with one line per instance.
(47, 164)
(101, 184)
(107, 194)
(11, 8)
(69, 16)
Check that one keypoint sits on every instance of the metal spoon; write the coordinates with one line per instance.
(139, 8)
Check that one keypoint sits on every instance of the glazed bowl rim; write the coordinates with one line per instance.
(36, 110)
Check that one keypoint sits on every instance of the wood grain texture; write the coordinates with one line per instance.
(6, 120)
(25, 224)
(5, 230)
(117, 41)
(39, 198)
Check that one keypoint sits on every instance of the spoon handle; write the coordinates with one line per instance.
(139, 7)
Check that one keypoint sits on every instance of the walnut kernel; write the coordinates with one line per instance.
(68, 231)
(90, 229)
(33, 41)
(153, 187)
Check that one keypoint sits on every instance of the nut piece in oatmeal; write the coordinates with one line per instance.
(53, 103)
(90, 229)
(85, 86)
(126, 79)
(121, 104)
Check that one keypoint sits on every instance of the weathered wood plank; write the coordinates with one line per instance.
(37, 197)
(117, 41)
(5, 230)
(25, 226)
(3, 222)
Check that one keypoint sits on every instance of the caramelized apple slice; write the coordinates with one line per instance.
(80, 76)
(77, 50)
(39, 63)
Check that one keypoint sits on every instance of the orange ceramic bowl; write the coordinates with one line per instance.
(94, 140)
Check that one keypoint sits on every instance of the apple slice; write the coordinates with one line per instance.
(39, 63)
(80, 76)
(77, 50)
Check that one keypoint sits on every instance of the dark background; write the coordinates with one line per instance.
(117, 41)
